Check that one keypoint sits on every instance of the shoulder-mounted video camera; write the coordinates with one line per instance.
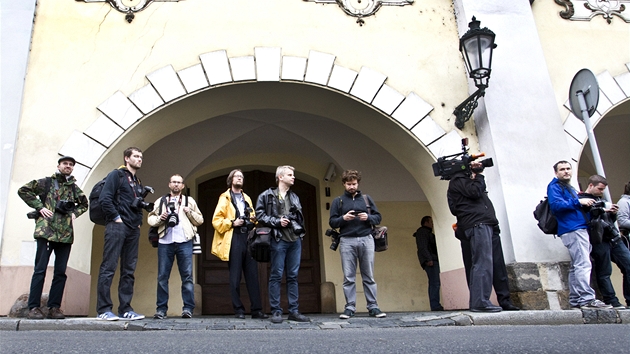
(447, 166)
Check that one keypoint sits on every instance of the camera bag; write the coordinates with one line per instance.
(379, 233)
(259, 243)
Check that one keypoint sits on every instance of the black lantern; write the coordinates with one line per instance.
(476, 46)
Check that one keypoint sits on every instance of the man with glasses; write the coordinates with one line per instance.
(177, 217)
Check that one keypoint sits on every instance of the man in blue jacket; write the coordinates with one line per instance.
(572, 228)
(122, 232)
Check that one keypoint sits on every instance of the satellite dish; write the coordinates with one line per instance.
(584, 82)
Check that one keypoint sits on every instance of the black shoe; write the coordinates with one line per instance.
(509, 307)
(298, 317)
(240, 316)
(490, 308)
(276, 317)
(259, 314)
(438, 309)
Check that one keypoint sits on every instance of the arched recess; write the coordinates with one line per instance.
(613, 110)
(319, 104)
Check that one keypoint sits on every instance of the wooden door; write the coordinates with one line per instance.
(213, 274)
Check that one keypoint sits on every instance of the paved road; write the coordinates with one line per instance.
(563, 339)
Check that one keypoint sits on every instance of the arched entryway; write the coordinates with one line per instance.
(213, 274)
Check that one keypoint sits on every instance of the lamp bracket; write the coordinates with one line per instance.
(465, 110)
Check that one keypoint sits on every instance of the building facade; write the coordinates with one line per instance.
(205, 87)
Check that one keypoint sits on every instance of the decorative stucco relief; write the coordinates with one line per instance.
(585, 10)
(129, 10)
(369, 9)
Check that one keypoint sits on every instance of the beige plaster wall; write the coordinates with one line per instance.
(570, 46)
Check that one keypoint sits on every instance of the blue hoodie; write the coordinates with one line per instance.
(565, 206)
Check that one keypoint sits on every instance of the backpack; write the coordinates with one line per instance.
(97, 215)
(546, 220)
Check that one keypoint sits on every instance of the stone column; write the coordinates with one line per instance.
(520, 127)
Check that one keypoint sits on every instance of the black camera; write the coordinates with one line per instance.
(139, 202)
(65, 207)
(447, 166)
(248, 225)
(172, 219)
(334, 238)
(298, 229)
(33, 214)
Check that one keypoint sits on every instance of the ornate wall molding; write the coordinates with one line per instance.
(585, 10)
(129, 10)
(370, 9)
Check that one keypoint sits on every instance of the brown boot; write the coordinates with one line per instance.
(35, 314)
(54, 313)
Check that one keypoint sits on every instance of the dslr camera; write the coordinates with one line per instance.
(598, 210)
(447, 166)
(295, 224)
(139, 202)
(172, 219)
(248, 225)
(334, 238)
(65, 207)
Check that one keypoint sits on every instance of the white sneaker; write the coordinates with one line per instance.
(595, 305)
(107, 316)
(131, 316)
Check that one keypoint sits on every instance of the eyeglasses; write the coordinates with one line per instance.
(177, 182)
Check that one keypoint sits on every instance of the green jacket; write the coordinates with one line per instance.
(57, 228)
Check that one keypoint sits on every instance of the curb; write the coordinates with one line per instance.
(330, 321)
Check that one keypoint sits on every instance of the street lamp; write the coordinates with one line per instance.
(476, 46)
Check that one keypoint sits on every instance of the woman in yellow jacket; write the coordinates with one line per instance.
(232, 220)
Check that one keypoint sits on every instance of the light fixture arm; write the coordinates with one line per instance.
(465, 110)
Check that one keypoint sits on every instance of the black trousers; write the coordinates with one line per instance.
(62, 253)
(499, 271)
(242, 263)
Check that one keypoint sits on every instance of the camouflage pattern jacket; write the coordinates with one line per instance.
(57, 228)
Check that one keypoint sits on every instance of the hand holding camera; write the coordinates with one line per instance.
(334, 238)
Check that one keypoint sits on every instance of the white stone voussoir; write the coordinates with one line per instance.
(387, 99)
(268, 63)
(119, 109)
(146, 99)
(243, 68)
(367, 84)
(428, 130)
(104, 130)
(82, 148)
(216, 67)
(449, 144)
(342, 78)
(167, 83)
(193, 78)
(293, 68)
(609, 87)
(623, 81)
(319, 67)
(412, 110)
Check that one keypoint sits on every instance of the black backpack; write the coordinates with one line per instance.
(546, 221)
(97, 215)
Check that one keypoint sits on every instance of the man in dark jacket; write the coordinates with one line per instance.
(608, 246)
(468, 201)
(428, 257)
(353, 216)
(60, 202)
(280, 209)
(124, 217)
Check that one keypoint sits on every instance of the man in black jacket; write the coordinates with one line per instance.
(355, 215)
(429, 261)
(122, 232)
(468, 201)
(280, 209)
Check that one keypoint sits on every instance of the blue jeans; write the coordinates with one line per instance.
(121, 241)
(166, 256)
(361, 249)
(580, 291)
(284, 255)
(62, 253)
(433, 273)
(603, 254)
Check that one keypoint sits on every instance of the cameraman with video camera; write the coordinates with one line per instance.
(122, 202)
(177, 217)
(468, 201)
(60, 202)
(233, 219)
(606, 242)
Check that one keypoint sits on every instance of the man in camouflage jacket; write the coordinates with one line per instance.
(63, 201)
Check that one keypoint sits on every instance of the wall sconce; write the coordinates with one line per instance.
(477, 44)
(330, 173)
